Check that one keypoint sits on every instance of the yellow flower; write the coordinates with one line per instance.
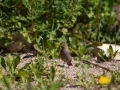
(104, 80)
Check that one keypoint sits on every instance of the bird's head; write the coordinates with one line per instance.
(63, 45)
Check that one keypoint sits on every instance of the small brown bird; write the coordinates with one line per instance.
(65, 54)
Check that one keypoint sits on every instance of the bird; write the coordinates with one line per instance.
(65, 54)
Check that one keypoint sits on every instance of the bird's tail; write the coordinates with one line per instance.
(69, 63)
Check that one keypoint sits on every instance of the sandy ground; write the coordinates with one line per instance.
(90, 67)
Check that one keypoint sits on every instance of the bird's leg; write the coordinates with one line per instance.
(63, 63)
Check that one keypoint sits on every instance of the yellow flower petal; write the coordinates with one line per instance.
(103, 80)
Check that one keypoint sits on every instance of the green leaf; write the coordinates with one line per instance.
(40, 80)
(113, 78)
(82, 51)
(89, 46)
(64, 30)
(22, 73)
(6, 82)
(52, 73)
(115, 53)
(85, 57)
(16, 61)
(110, 47)
(103, 56)
(29, 40)
(91, 14)
(36, 47)
(1, 74)
(3, 64)
(51, 35)
(9, 60)
(92, 79)
(19, 24)
(62, 39)
(111, 53)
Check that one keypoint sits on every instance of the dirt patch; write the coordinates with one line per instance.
(71, 73)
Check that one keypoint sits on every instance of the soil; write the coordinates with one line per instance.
(89, 67)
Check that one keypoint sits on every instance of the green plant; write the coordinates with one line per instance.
(83, 80)
(110, 56)
(10, 63)
(51, 22)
